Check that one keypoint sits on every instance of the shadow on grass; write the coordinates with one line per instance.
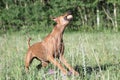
(96, 69)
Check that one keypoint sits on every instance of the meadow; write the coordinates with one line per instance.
(95, 55)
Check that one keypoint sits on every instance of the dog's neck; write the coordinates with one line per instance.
(57, 32)
(59, 29)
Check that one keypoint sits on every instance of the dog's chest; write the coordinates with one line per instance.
(58, 46)
(58, 41)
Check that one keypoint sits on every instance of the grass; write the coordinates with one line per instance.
(95, 55)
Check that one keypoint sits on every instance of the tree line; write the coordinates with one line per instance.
(36, 14)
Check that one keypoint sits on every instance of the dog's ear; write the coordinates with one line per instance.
(54, 19)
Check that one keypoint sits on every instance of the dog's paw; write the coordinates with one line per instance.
(51, 71)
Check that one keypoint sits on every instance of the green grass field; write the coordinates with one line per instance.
(95, 55)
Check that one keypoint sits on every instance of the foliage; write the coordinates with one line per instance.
(29, 15)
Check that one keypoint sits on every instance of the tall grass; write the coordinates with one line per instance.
(96, 56)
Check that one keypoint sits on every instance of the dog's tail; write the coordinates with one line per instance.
(29, 42)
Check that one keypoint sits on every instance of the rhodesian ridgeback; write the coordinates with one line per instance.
(51, 47)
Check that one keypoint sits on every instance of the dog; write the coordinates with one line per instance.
(51, 47)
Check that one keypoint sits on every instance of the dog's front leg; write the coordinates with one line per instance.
(52, 60)
(63, 60)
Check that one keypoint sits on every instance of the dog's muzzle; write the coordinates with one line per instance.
(68, 17)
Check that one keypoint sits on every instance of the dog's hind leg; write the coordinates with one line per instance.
(28, 60)
(43, 64)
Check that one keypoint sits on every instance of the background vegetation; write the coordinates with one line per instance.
(31, 15)
(94, 51)
(96, 56)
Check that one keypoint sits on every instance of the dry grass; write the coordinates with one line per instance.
(95, 55)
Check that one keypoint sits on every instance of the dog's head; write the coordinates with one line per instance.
(64, 19)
